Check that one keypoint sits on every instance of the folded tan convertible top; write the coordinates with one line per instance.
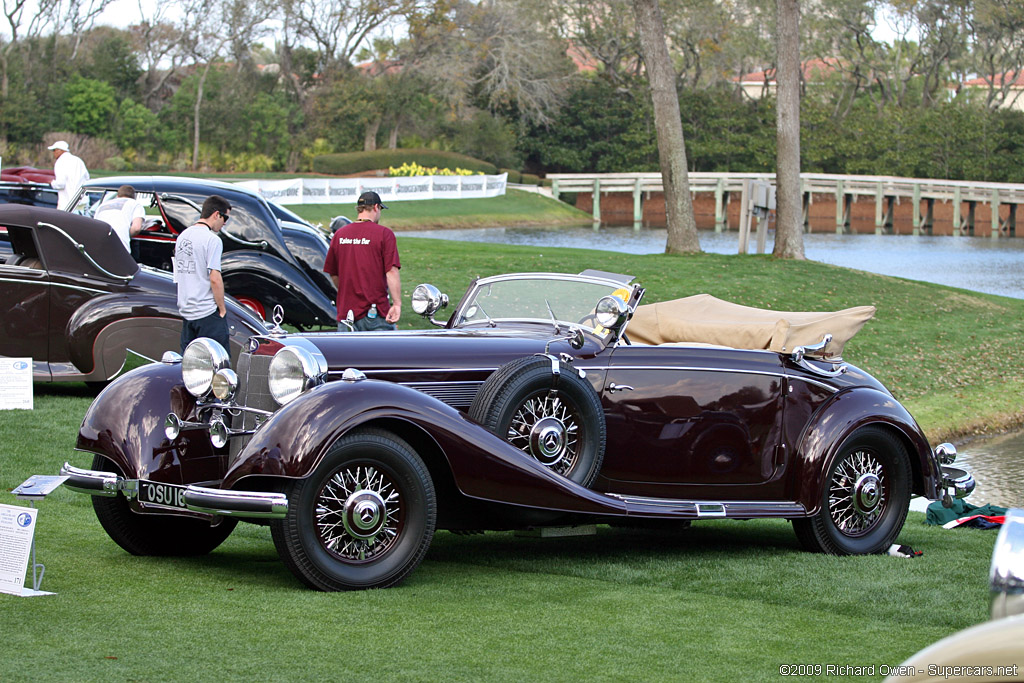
(704, 319)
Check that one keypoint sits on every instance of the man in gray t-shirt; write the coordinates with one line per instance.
(197, 253)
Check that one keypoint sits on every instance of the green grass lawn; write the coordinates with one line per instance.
(516, 207)
(722, 601)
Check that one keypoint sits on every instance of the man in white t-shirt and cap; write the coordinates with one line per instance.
(123, 214)
(69, 172)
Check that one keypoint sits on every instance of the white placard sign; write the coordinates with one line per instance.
(15, 383)
(17, 526)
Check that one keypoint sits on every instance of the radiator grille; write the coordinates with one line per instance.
(253, 391)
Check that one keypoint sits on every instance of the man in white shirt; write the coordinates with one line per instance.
(123, 214)
(69, 172)
(197, 253)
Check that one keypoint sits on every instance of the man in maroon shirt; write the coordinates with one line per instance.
(363, 262)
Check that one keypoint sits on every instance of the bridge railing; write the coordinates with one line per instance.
(886, 190)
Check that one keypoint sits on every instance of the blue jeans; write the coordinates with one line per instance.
(212, 326)
(378, 324)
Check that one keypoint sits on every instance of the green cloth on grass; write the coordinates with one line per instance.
(939, 515)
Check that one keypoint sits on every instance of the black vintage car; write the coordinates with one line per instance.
(75, 302)
(268, 261)
(546, 400)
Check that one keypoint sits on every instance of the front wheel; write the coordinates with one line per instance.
(155, 534)
(363, 519)
(866, 497)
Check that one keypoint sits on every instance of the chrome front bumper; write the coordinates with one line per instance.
(263, 505)
(253, 504)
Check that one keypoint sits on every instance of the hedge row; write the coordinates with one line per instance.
(360, 162)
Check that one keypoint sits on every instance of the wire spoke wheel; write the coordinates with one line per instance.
(547, 428)
(857, 493)
(864, 499)
(363, 518)
(359, 513)
(554, 417)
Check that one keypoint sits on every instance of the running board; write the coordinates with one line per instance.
(707, 509)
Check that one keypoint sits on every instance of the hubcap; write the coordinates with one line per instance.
(546, 428)
(358, 513)
(364, 514)
(867, 493)
(857, 493)
(547, 441)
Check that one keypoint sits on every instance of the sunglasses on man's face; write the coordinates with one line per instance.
(224, 216)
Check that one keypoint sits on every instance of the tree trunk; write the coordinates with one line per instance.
(393, 137)
(789, 238)
(195, 117)
(682, 228)
(370, 135)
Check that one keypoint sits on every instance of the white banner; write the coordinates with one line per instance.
(402, 188)
(17, 526)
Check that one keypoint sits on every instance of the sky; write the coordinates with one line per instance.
(124, 13)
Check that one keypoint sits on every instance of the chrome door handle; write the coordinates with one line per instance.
(613, 387)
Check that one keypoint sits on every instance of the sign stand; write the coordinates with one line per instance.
(32, 489)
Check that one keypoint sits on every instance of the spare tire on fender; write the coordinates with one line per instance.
(555, 417)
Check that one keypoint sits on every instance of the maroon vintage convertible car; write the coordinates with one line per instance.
(75, 302)
(547, 399)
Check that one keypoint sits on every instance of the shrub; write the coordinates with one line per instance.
(531, 179)
(360, 162)
(513, 176)
(415, 169)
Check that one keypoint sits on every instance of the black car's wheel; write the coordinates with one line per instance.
(363, 519)
(155, 534)
(866, 497)
(557, 420)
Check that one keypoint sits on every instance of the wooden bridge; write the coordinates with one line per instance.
(971, 202)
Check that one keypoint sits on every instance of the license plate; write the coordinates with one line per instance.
(163, 495)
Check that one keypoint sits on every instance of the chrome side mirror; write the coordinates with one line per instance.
(428, 300)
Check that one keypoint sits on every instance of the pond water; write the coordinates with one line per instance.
(997, 463)
(983, 264)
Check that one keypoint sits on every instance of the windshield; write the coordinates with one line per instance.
(538, 297)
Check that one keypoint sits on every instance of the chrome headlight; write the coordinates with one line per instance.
(427, 300)
(203, 359)
(225, 384)
(611, 312)
(293, 371)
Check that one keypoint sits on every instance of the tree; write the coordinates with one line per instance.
(682, 227)
(90, 107)
(491, 55)
(789, 240)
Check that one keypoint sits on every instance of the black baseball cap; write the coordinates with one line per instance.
(369, 199)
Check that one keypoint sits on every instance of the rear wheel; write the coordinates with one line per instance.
(155, 534)
(866, 497)
(363, 519)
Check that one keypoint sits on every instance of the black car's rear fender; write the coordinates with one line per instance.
(294, 441)
(273, 281)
